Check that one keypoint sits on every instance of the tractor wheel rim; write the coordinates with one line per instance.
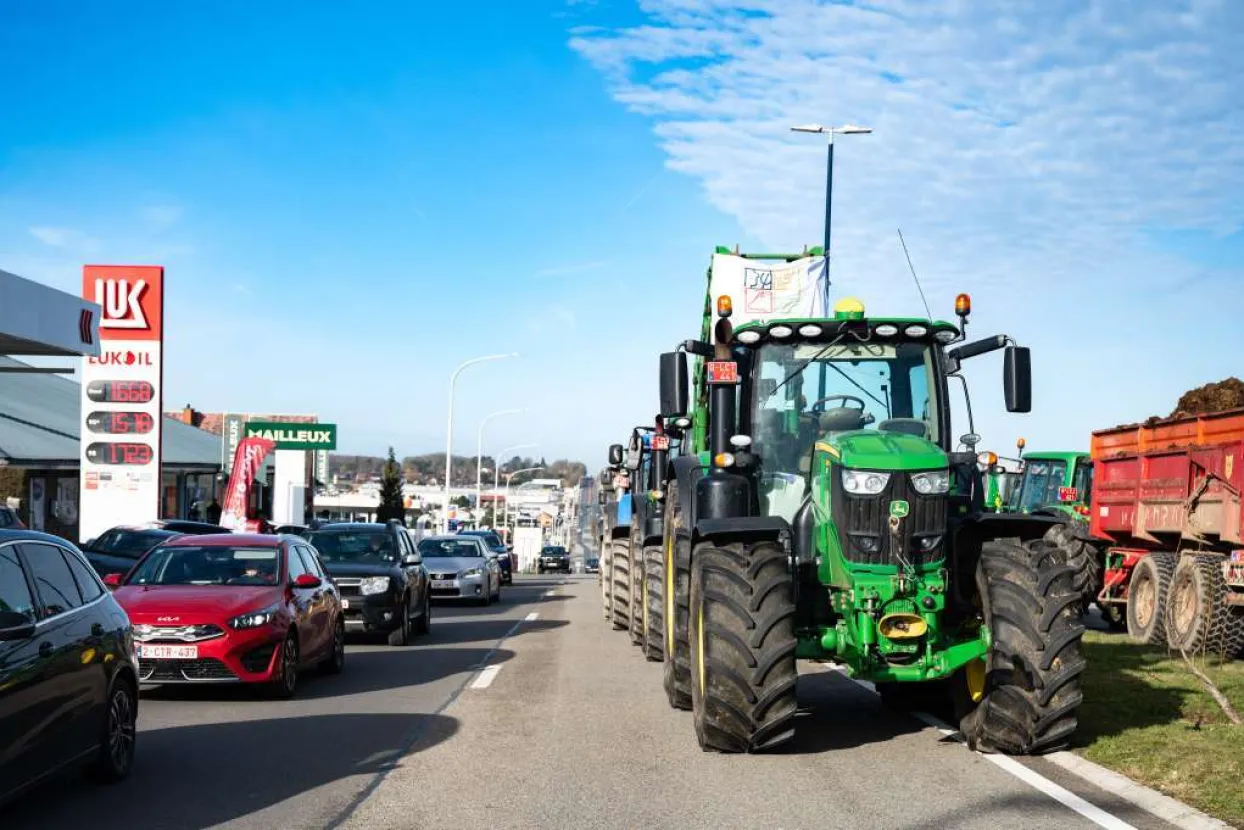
(1185, 605)
(701, 662)
(1145, 593)
(974, 675)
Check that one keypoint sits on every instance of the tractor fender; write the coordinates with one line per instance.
(743, 528)
(685, 472)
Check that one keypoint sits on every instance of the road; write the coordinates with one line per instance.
(562, 724)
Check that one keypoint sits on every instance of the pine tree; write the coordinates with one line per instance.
(391, 504)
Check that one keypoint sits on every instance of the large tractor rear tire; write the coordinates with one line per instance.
(1197, 616)
(677, 595)
(1079, 551)
(654, 603)
(635, 625)
(1147, 593)
(1024, 699)
(742, 647)
(620, 579)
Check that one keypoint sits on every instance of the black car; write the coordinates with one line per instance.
(494, 543)
(117, 550)
(554, 558)
(381, 577)
(68, 675)
(9, 518)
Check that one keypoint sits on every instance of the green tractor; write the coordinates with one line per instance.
(822, 511)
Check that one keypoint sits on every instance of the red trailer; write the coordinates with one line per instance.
(1167, 500)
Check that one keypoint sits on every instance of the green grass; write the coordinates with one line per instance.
(1146, 716)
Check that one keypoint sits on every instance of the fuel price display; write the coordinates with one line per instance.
(120, 391)
(102, 452)
(120, 423)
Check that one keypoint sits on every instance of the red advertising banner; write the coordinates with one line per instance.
(247, 460)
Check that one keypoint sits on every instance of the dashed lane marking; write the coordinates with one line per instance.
(485, 678)
(532, 617)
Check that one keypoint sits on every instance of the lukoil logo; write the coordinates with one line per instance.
(121, 302)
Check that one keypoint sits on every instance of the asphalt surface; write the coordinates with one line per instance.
(536, 714)
(224, 757)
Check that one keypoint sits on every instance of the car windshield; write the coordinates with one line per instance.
(1041, 482)
(491, 539)
(354, 546)
(130, 544)
(554, 551)
(803, 393)
(208, 565)
(442, 548)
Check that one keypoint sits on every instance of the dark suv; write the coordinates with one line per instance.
(9, 519)
(381, 577)
(68, 678)
(494, 543)
(554, 558)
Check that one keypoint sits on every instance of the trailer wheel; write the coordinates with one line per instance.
(677, 615)
(1147, 593)
(1080, 553)
(1024, 699)
(620, 576)
(742, 647)
(654, 603)
(1197, 616)
(635, 624)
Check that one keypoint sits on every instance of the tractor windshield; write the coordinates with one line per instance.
(804, 392)
(1040, 485)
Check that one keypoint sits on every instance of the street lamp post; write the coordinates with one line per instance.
(449, 429)
(846, 129)
(496, 475)
(508, 477)
(479, 453)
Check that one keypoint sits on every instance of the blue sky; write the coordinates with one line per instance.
(351, 202)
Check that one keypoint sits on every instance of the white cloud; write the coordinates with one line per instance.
(55, 237)
(1028, 151)
(162, 216)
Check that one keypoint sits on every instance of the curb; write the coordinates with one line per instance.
(1149, 800)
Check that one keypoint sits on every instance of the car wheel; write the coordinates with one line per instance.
(401, 635)
(116, 747)
(286, 682)
(425, 619)
(336, 661)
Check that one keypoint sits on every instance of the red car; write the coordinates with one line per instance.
(232, 608)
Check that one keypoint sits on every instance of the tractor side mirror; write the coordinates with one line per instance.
(615, 455)
(1017, 378)
(674, 395)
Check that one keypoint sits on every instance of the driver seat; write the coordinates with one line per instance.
(840, 419)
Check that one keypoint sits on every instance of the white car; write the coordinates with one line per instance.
(461, 567)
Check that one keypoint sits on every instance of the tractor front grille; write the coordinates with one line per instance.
(861, 519)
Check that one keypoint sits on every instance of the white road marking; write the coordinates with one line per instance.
(532, 617)
(550, 592)
(1030, 777)
(486, 677)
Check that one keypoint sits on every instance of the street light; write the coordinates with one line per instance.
(449, 429)
(846, 129)
(479, 451)
(496, 474)
(508, 477)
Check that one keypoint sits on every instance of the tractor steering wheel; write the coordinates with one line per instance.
(843, 398)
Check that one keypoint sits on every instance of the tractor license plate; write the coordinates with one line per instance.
(1233, 574)
(660, 442)
(722, 371)
(1068, 494)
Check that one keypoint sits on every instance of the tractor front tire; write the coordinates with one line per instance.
(620, 580)
(635, 624)
(1147, 593)
(676, 592)
(742, 647)
(1029, 693)
(1079, 551)
(654, 603)
(1198, 618)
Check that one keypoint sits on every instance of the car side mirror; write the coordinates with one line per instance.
(1017, 378)
(412, 559)
(113, 581)
(615, 455)
(308, 581)
(15, 626)
(674, 396)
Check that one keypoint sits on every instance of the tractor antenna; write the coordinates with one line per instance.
(912, 268)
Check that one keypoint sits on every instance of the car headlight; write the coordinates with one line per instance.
(254, 619)
(374, 585)
(932, 483)
(859, 483)
(474, 572)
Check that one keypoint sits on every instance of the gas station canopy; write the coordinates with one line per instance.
(38, 320)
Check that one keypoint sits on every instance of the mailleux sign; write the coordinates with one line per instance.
(294, 436)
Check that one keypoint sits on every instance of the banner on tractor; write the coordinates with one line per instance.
(762, 291)
(247, 460)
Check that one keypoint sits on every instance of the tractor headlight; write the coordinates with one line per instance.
(859, 483)
(932, 483)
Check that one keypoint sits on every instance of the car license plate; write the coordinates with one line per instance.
(443, 583)
(345, 603)
(168, 652)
